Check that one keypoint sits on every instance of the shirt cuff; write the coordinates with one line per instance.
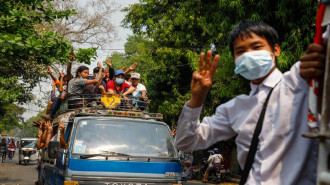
(191, 113)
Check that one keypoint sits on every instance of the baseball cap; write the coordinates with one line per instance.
(118, 72)
(135, 75)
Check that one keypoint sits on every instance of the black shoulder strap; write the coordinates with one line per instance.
(254, 143)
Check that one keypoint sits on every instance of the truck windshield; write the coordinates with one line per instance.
(109, 137)
(28, 143)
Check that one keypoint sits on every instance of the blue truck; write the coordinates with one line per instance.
(110, 146)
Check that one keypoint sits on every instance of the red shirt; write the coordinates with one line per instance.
(111, 85)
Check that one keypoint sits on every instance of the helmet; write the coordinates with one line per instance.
(216, 150)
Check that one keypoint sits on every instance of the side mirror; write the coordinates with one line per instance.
(53, 149)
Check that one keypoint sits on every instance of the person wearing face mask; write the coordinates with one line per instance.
(118, 84)
(277, 102)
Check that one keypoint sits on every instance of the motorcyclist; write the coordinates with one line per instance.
(214, 162)
(12, 145)
(3, 148)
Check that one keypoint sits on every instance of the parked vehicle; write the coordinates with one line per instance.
(107, 146)
(27, 150)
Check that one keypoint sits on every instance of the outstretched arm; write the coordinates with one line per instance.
(41, 137)
(62, 137)
(98, 77)
(49, 126)
(69, 66)
(131, 68)
(202, 80)
(51, 74)
(129, 91)
(61, 82)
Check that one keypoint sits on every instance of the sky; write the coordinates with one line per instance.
(117, 45)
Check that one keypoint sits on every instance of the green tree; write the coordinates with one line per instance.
(26, 47)
(180, 30)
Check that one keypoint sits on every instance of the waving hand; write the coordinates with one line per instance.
(202, 80)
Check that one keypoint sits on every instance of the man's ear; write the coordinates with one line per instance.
(277, 50)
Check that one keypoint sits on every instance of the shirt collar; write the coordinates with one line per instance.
(270, 81)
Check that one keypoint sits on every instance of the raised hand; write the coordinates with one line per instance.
(61, 125)
(71, 55)
(62, 73)
(202, 79)
(133, 66)
(48, 70)
(109, 62)
(313, 62)
(99, 65)
(49, 127)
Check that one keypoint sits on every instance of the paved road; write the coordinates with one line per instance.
(12, 173)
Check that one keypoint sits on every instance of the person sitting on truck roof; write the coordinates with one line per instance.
(76, 85)
(118, 85)
(101, 87)
(140, 92)
(55, 102)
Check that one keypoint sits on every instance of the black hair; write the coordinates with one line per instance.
(127, 76)
(97, 69)
(244, 29)
(81, 69)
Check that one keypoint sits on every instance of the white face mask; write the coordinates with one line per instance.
(254, 64)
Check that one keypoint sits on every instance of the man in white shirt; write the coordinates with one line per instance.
(140, 93)
(213, 161)
(283, 156)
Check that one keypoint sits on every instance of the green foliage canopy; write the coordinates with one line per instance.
(179, 30)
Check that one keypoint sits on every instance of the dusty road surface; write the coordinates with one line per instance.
(12, 173)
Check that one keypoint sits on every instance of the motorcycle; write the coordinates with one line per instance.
(11, 153)
(217, 175)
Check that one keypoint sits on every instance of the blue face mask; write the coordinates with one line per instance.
(254, 64)
(119, 81)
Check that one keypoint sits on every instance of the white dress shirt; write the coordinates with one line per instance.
(283, 155)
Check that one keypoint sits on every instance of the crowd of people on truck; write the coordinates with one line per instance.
(122, 81)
